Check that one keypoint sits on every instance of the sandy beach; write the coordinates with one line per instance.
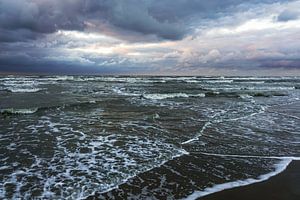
(284, 186)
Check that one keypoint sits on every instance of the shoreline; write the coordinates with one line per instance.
(285, 185)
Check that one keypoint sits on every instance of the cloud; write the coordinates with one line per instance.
(145, 35)
(170, 19)
(40, 16)
(288, 15)
(134, 16)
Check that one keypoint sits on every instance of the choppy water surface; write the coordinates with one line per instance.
(143, 137)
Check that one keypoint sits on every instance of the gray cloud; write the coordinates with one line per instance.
(288, 15)
(40, 16)
(30, 39)
(169, 19)
(280, 63)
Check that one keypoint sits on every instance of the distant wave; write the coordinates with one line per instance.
(220, 81)
(172, 95)
(244, 94)
(248, 81)
(124, 93)
(24, 111)
(21, 85)
(23, 90)
(61, 78)
(12, 111)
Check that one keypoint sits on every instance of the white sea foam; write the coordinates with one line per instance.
(21, 85)
(24, 90)
(198, 135)
(121, 79)
(259, 78)
(270, 88)
(19, 111)
(171, 95)
(192, 81)
(181, 153)
(121, 91)
(241, 81)
(212, 120)
(219, 81)
(63, 78)
(279, 167)
(108, 161)
(245, 96)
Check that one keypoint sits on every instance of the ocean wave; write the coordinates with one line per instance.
(12, 111)
(279, 167)
(229, 94)
(24, 111)
(172, 95)
(62, 78)
(122, 92)
(268, 88)
(19, 82)
(220, 81)
(260, 78)
(244, 94)
(24, 90)
(21, 85)
(248, 82)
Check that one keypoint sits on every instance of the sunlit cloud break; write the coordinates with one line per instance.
(177, 37)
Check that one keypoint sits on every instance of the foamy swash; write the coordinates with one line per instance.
(278, 168)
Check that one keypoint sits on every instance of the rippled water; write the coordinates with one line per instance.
(143, 137)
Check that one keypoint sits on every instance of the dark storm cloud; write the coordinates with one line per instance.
(28, 19)
(280, 63)
(40, 16)
(16, 36)
(32, 62)
(35, 34)
(167, 19)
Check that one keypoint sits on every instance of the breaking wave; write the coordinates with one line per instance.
(12, 111)
(26, 111)
(169, 96)
(24, 90)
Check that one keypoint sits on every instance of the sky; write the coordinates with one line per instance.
(150, 37)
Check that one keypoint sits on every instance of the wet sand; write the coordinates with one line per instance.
(284, 186)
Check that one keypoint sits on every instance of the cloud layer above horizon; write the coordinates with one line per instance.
(184, 37)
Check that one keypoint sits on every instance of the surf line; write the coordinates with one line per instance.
(250, 156)
(279, 167)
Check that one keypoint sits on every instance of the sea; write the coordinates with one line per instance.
(143, 137)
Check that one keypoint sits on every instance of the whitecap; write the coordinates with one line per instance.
(24, 90)
(219, 81)
(245, 96)
(19, 111)
(171, 95)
